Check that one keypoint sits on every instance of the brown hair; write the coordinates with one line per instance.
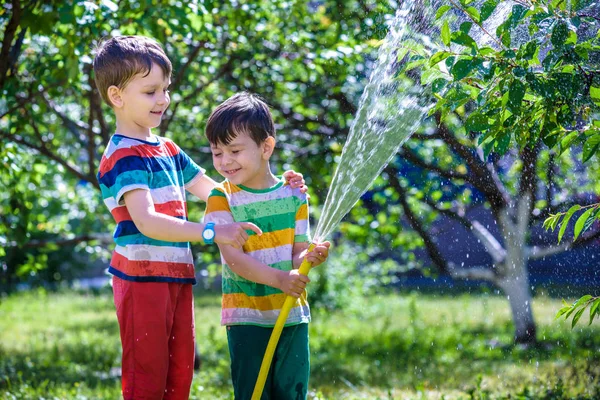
(241, 113)
(120, 58)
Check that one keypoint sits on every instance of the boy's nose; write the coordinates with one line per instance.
(163, 99)
(226, 160)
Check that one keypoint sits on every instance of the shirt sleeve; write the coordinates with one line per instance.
(302, 230)
(127, 174)
(191, 171)
(217, 208)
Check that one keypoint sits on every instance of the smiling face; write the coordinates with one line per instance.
(244, 162)
(141, 104)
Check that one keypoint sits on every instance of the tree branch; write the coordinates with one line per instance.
(434, 253)
(491, 244)
(472, 273)
(417, 161)
(42, 149)
(484, 180)
(455, 215)
(190, 58)
(75, 127)
(9, 34)
(537, 252)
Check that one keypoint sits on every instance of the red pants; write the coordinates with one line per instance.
(156, 321)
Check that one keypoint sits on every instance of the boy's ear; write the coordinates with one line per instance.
(268, 147)
(114, 95)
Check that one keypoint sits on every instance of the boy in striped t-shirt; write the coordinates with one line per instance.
(144, 179)
(257, 278)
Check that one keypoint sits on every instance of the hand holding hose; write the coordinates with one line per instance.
(319, 254)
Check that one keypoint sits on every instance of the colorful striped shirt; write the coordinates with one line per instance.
(164, 170)
(282, 214)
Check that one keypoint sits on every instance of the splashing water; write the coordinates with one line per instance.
(390, 110)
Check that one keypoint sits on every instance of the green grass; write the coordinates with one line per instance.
(66, 346)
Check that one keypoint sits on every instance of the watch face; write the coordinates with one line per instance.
(208, 234)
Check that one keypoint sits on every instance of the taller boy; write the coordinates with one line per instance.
(143, 179)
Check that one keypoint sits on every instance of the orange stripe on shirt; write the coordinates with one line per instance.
(302, 212)
(262, 303)
(217, 203)
(269, 240)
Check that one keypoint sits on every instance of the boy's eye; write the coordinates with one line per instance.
(235, 151)
(217, 154)
(150, 93)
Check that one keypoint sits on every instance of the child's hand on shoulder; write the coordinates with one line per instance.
(234, 234)
(295, 180)
(319, 254)
(292, 282)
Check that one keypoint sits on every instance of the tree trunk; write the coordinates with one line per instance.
(514, 277)
(517, 291)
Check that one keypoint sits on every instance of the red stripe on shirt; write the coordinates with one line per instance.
(142, 150)
(151, 268)
(174, 208)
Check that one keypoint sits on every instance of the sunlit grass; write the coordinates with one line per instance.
(66, 346)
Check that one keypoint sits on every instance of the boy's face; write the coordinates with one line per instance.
(242, 161)
(143, 101)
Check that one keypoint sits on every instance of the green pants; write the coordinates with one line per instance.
(288, 376)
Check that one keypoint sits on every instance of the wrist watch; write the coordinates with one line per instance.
(208, 234)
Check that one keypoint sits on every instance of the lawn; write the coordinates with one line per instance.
(395, 346)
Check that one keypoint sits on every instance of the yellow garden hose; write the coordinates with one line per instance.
(274, 339)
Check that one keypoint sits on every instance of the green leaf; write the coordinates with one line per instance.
(441, 11)
(566, 141)
(463, 67)
(582, 300)
(503, 143)
(463, 39)
(571, 37)
(473, 13)
(566, 219)
(559, 34)
(547, 222)
(439, 56)
(581, 221)
(487, 9)
(578, 315)
(516, 92)
(518, 13)
(595, 94)
(594, 309)
(438, 85)
(477, 122)
(465, 27)
(445, 34)
(590, 146)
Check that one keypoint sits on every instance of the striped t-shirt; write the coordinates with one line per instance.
(282, 214)
(164, 170)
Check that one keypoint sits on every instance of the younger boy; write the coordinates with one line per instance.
(257, 278)
(143, 179)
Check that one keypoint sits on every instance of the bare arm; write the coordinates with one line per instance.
(164, 227)
(201, 189)
(289, 282)
(298, 253)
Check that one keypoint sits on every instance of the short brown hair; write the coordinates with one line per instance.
(241, 113)
(120, 58)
